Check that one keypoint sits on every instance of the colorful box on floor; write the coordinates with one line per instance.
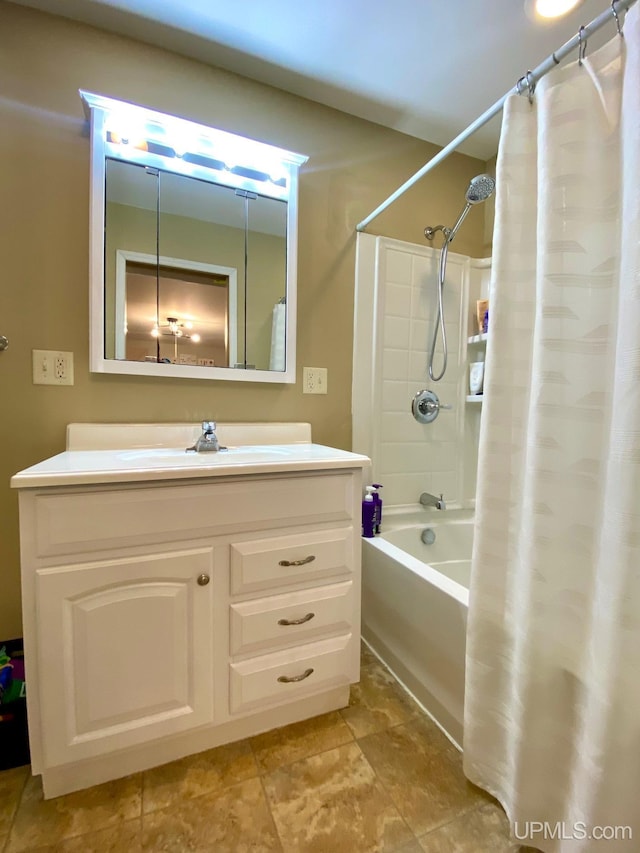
(14, 740)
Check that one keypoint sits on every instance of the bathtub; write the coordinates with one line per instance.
(414, 606)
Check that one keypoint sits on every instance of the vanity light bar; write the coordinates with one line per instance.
(140, 135)
(276, 177)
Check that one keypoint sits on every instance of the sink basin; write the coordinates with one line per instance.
(177, 456)
(177, 436)
(112, 453)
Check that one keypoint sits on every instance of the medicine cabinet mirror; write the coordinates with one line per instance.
(193, 248)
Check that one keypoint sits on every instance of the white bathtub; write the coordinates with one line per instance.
(414, 606)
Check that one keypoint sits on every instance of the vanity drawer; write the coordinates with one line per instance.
(306, 669)
(102, 518)
(258, 625)
(280, 560)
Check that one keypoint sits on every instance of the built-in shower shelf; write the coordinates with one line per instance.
(474, 398)
(478, 339)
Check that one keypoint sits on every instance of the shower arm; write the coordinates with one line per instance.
(449, 233)
(430, 233)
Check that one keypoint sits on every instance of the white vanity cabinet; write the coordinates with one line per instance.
(167, 616)
(276, 644)
(124, 651)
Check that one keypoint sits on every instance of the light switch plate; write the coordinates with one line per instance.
(51, 367)
(314, 380)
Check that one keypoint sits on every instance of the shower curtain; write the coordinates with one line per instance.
(552, 714)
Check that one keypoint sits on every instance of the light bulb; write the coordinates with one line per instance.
(548, 9)
(127, 129)
(182, 141)
(155, 332)
(195, 338)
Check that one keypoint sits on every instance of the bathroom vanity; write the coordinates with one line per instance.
(176, 601)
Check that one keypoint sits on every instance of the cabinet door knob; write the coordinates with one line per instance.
(203, 579)
(287, 679)
(301, 621)
(302, 562)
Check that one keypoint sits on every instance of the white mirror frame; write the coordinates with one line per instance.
(98, 109)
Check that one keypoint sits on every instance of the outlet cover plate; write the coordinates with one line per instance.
(314, 380)
(52, 367)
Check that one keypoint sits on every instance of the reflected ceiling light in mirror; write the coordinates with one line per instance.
(174, 327)
(547, 10)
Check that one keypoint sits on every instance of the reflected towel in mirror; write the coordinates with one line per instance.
(278, 323)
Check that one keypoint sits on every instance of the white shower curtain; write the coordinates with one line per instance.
(552, 715)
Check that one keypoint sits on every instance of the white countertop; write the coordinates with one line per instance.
(83, 467)
(125, 453)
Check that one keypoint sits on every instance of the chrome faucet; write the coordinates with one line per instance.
(208, 440)
(431, 500)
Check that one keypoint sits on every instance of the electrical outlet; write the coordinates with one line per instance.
(314, 380)
(52, 368)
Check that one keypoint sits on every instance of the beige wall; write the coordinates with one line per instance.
(44, 188)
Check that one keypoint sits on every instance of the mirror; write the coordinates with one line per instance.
(193, 255)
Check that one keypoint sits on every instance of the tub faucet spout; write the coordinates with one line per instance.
(431, 500)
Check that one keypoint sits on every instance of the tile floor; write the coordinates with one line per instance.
(376, 776)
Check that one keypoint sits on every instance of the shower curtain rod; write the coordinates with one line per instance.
(527, 82)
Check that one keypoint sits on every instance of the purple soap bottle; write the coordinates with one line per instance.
(378, 502)
(368, 516)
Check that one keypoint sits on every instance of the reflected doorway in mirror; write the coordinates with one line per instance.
(176, 311)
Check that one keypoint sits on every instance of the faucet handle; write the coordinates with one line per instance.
(208, 426)
(426, 406)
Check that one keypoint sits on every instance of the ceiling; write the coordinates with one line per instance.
(424, 67)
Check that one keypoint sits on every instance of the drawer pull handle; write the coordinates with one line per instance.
(302, 562)
(203, 580)
(304, 619)
(287, 679)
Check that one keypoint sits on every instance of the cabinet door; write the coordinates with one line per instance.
(125, 652)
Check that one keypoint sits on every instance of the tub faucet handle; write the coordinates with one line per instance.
(426, 406)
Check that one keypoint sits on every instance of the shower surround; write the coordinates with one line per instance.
(414, 603)
(396, 305)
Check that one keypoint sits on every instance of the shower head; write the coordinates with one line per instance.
(480, 188)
